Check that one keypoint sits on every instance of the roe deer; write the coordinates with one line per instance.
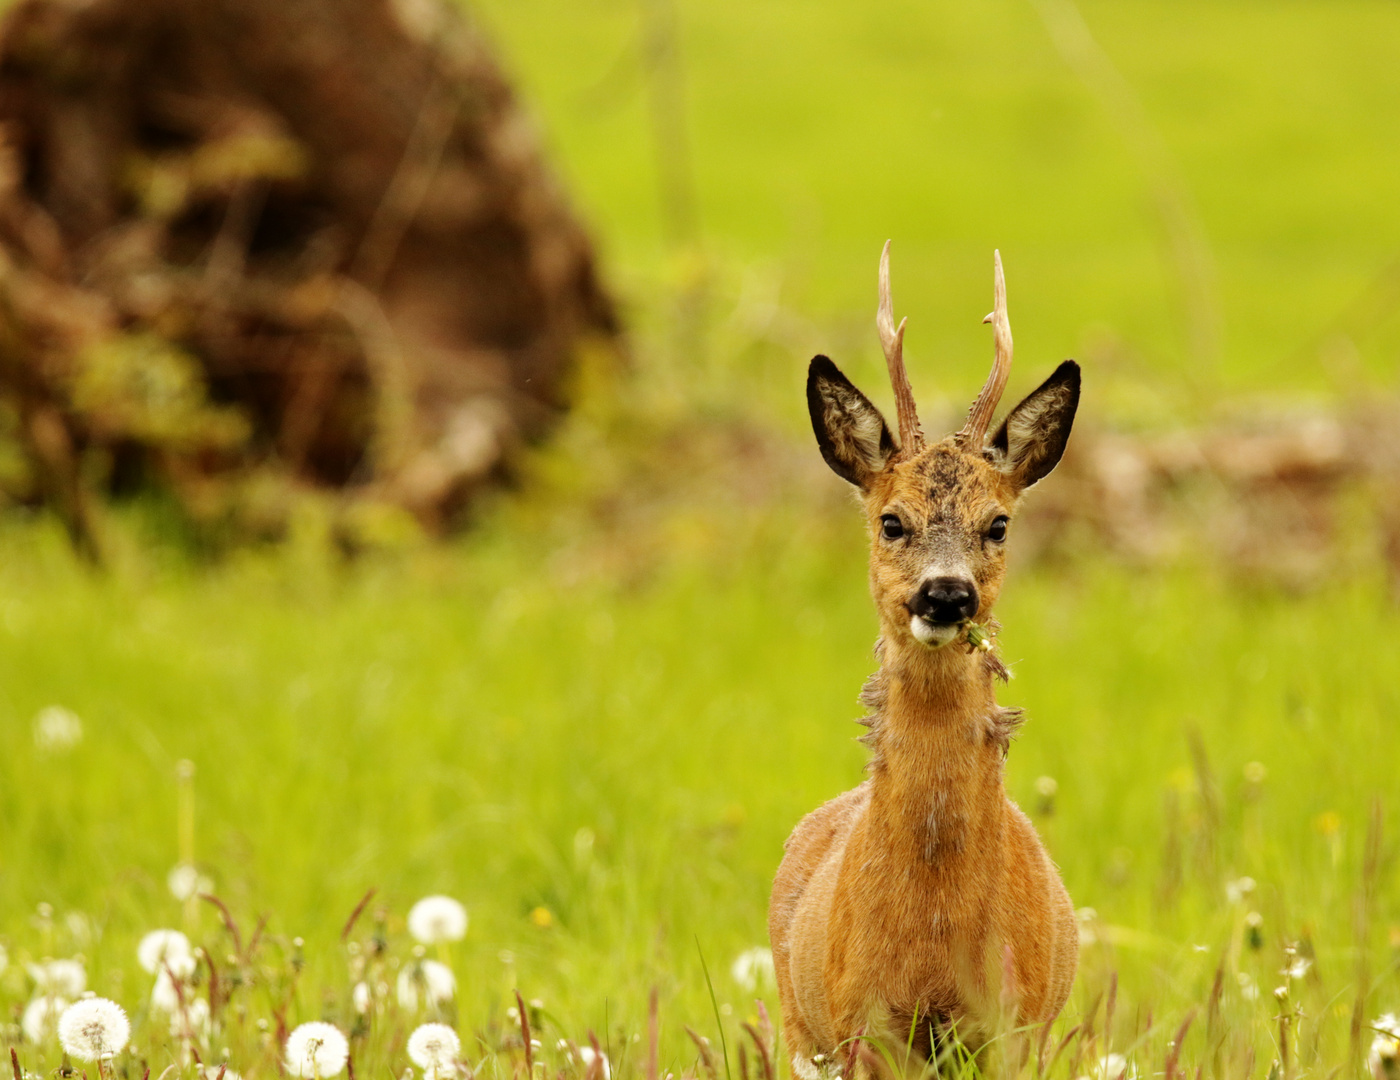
(922, 901)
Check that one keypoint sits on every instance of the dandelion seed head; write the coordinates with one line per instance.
(1384, 1058)
(79, 927)
(317, 1050)
(1087, 918)
(185, 880)
(40, 1020)
(1237, 890)
(434, 1049)
(62, 978)
(166, 948)
(1298, 968)
(1112, 1066)
(437, 918)
(753, 969)
(362, 997)
(94, 1029)
(165, 995)
(430, 978)
(587, 1056)
(192, 1022)
(57, 729)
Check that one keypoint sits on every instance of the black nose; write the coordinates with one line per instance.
(945, 600)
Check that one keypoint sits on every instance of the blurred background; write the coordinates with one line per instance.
(406, 483)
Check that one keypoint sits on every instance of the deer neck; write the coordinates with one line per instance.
(939, 740)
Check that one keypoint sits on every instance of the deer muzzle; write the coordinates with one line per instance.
(939, 607)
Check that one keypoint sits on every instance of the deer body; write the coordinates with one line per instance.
(922, 900)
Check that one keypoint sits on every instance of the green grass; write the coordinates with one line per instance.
(484, 723)
(605, 708)
(817, 130)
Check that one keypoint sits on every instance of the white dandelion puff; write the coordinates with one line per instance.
(40, 1020)
(61, 978)
(1112, 1066)
(437, 918)
(57, 729)
(166, 995)
(94, 1029)
(79, 927)
(166, 948)
(317, 1050)
(753, 969)
(185, 880)
(192, 1022)
(1237, 890)
(586, 1057)
(433, 979)
(362, 997)
(1384, 1058)
(434, 1049)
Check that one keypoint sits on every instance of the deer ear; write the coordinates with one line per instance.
(852, 434)
(1032, 438)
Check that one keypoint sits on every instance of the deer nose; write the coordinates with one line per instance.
(945, 600)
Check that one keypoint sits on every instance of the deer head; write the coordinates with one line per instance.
(939, 515)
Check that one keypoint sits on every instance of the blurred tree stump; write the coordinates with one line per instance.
(312, 239)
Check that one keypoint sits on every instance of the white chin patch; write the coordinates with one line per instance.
(934, 635)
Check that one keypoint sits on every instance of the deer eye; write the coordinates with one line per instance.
(997, 531)
(891, 528)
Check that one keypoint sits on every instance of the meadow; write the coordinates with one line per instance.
(595, 716)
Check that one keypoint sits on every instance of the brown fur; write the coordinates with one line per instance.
(924, 892)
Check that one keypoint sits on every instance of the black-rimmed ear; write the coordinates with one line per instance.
(1032, 438)
(853, 436)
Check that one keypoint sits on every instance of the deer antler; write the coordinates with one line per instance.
(979, 417)
(911, 436)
